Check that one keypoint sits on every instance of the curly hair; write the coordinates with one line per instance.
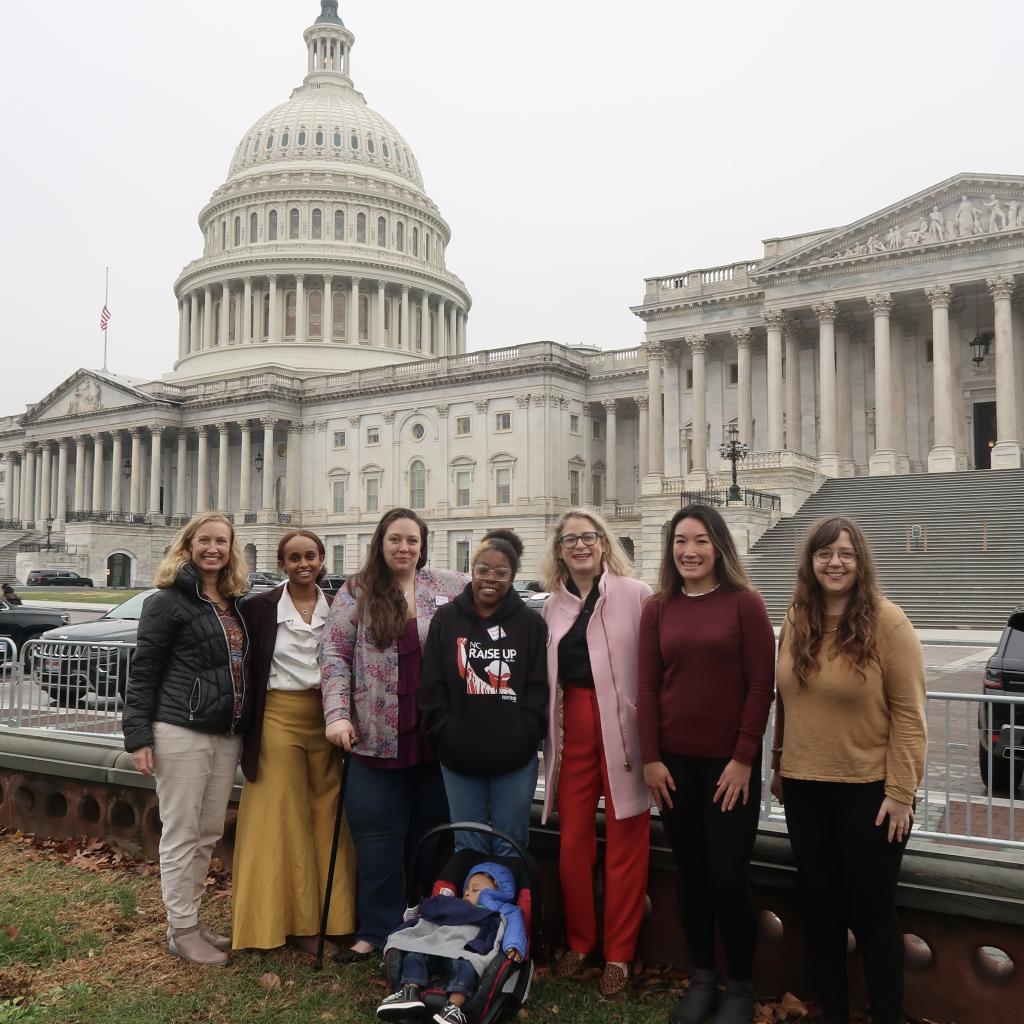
(380, 601)
(553, 571)
(506, 542)
(729, 571)
(856, 638)
(232, 581)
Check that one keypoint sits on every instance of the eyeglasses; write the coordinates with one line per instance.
(482, 572)
(824, 556)
(570, 540)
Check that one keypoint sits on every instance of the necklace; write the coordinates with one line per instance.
(703, 593)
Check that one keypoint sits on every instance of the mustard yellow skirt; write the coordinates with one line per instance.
(285, 827)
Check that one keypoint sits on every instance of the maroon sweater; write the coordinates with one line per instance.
(705, 675)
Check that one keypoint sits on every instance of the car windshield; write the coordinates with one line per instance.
(131, 609)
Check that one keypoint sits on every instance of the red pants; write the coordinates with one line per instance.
(583, 779)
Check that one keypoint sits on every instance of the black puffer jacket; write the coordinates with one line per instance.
(181, 673)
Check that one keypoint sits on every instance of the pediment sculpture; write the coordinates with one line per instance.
(86, 397)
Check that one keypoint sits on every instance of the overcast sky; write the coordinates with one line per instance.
(574, 146)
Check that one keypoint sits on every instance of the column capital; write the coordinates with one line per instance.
(880, 303)
(741, 336)
(609, 405)
(389, 417)
(405, 287)
(939, 296)
(295, 427)
(244, 425)
(353, 421)
(299, 278)
(156, 430)
(222, 427)
(135, 432)
(1001, 287)
(442, 410)
(523, 401)
(269, 422)
(540, 399)
(481, 405)
(826, 312)
(794, 329)
(697, 342)
(774, 319)
(655, 350)
(643, 402)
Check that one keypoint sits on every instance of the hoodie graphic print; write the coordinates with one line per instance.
(497, 672)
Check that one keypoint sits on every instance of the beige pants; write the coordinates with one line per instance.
(194, 775)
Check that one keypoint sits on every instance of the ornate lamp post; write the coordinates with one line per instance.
(733, 449)
(49, 527)
(979, 347)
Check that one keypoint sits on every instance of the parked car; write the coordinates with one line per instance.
(56, 578)
(71, 661)
(1001, 726)
(265, 578)
(22, 624)
(332, 583)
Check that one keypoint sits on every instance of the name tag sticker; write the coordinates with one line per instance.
(440, 599)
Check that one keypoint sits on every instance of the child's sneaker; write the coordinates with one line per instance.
(401, 1004)
(451, 1014)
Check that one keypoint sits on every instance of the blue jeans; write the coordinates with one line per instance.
(418, 967)
(502, 801)
(388, 811)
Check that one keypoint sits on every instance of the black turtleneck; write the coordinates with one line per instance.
(573, 653)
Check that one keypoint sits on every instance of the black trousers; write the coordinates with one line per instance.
(712, 852)
(846, 873)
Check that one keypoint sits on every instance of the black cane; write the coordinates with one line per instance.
(318, 963)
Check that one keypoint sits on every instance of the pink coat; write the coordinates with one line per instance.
(612, 642)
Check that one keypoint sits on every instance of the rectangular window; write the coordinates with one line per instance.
(462, 426)
(502, 422)
(462, 478)
(689, 380)
(596, 483)
(339, 439)
(373, 494)
(462, 556)
(733, 373)
(503, 486)
(373, 435)
(338, 492)
(574, 486)
(574, 423)
(338, 559)
(598, 430)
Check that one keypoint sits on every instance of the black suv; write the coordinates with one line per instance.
(1001, 730)
(56, 578)
(21, 623)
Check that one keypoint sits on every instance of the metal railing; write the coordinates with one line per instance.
(720, 496)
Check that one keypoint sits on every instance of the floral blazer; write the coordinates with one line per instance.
(360, 682)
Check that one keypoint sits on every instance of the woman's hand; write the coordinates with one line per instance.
(659, 780)
(901, 817)
(733, 783)
(143, 760)
(342, 734)
(776, 787)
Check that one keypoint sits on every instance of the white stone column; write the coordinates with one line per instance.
(180, 503)
(773, 321)
(268, 512)
(223, 466)
(258, 326)
(79, 474)
(135, 483)
(462, 330)
(453, 330)
(671, 391)
(425, 323)
(379, 337)
(828, 454)
(193, 322)
(301, 321)
(274, 327)
(352, 317)
(611, 483)
(156, 464)
(794, 411)
(883, 459)
(29, 482)
(655, 424)
(182, 328)
(225, 313)
(203, 470)
(10, 513)
(697, 477)
(899, 327)
(45, 482)
(97, 473)
(406, 317)
(1007, 452)
(943, 456)
(443, 347)
(844, 397)
(208, 317)
(247, 332)
(327, 310)
(115, 472)
(293, 466)
(643, 404)
(245, 481)
(61, 514)
(744, 392)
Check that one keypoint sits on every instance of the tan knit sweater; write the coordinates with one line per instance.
(847, 728)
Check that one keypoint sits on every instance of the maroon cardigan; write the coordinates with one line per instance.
(260, 614)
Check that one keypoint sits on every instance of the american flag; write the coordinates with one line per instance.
(104, 318)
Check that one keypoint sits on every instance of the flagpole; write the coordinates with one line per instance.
(106, 305)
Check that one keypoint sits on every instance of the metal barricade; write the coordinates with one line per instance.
(10, 677)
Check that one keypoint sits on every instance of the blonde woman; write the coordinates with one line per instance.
(186, 707)
(593, 745)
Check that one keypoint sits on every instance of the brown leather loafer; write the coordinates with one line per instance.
(571, 966)
(613, 982)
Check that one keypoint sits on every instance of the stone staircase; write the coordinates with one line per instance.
(9, 543)
(949, 546)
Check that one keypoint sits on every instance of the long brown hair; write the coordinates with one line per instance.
(380, 601)
(729, 569)
(309, 535)
(232, 580)
(856, 637)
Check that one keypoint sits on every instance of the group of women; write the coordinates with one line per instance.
(442, 690)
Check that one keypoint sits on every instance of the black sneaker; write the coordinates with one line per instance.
(451, 1014)
(401, 1004)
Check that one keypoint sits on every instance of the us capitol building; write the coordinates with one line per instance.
(323, 376)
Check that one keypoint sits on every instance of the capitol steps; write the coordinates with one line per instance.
(10, 542)
(948, 545)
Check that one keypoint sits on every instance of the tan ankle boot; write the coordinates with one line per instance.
(221, 942)
(191, 946)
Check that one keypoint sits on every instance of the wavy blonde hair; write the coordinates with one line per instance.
(232, 581)
(553, 571)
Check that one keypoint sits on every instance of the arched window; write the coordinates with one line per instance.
(354, 140)
(293, 222)
(382, 232)
(272, 227)
(223, 234)
(254, 228)
(289, 314)
(270, 141)
(371, 146)
(426, 246)
(364, 318)
(361, 228)
(255, 145)
(384, 149)
(319, 138)
(400, 237)
(417, 485)
(238, 231)
(337, 140)
(339, 225)
(339, 307)
(318, 224)
(301, 140)
(314, 316)
(232, 314)
(415, 241)
(285, 138)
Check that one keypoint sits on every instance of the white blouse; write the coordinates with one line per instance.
(294, 665)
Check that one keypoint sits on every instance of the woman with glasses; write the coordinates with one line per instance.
(371, 657)
(593, 746)
(847, 758)
(706, 667)
(483, 701)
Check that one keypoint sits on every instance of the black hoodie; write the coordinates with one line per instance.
(483, 697)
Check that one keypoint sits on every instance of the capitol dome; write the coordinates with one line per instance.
(322, 253)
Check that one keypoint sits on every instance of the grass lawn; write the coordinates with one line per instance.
(83, 942)
(75, 595)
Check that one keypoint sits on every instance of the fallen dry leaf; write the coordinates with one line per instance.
(269, 981)
(11, 931)
(789, 1004)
